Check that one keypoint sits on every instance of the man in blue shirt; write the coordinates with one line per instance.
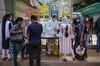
(34, 33)
(80, 37)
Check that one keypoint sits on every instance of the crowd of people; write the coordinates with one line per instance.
(74, 37)
(16, 35)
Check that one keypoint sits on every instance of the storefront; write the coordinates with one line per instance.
(44, 9)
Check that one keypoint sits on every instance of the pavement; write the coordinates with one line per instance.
(92, 60)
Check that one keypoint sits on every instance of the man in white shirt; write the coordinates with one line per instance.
(52, 27)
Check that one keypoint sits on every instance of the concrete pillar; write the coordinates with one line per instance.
(2, 9)
(7, 6)
(10, 6)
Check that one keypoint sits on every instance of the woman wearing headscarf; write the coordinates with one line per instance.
(6, 26)
(66, 38)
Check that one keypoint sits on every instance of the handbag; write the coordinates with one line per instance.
(17, 38)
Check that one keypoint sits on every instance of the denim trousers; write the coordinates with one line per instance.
(16, 50)
(87, 38)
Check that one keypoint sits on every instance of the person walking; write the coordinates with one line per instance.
(66, 36)
(88, 29)
(79, 38)
(34, 32)
(97, 31)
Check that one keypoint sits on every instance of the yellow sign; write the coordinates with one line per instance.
(44, 10)
(67, 14)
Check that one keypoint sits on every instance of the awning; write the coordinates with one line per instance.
(91, 10)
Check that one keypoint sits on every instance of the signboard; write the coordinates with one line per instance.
(25, 9)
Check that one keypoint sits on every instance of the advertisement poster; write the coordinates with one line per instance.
(26, 8)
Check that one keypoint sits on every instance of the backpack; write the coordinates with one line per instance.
(66, 31)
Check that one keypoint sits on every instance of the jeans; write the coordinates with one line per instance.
(98, 42)
(16, 50)
(87, 38)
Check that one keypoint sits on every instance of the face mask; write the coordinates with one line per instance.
(54, 19)
(10, 19)
(87, 19)
(78, 20)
